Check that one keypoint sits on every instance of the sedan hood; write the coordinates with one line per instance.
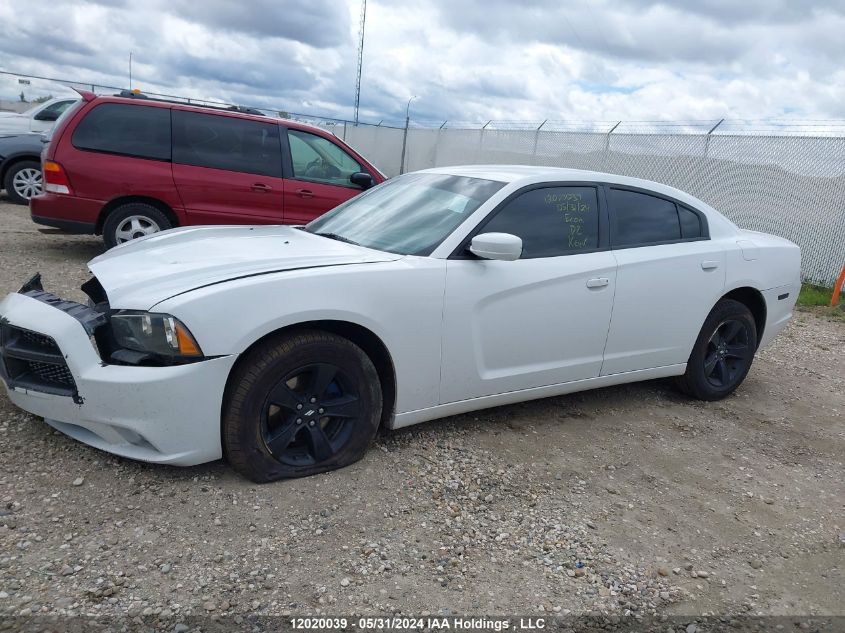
(143, 272)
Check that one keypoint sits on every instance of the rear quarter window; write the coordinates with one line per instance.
(129, 130)
(690, 223)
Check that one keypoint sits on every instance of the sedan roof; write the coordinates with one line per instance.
(520, 175)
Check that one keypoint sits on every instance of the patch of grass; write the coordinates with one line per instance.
(812, 295)
(829, 313)
(816, 300)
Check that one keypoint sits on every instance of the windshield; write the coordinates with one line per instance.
(409, 215)
(47, 135)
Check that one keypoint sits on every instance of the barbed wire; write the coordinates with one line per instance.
(780, 126)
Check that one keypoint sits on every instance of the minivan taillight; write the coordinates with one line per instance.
(55, 178)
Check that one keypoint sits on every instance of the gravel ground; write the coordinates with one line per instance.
(629, 499)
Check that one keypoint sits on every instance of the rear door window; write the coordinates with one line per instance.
(129, 130)
(638, 219)
(230, 143)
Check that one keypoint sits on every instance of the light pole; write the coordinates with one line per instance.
(405, 135)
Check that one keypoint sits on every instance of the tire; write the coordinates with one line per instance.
(723, 352)
(23, 180)
(277, 420)
(133, 220)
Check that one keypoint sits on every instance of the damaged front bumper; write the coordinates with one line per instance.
(51, 367)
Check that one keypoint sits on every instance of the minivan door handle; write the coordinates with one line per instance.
(261, 187)
(598, 282)
(305, 193)
(709, 264)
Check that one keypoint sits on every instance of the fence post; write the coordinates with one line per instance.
(404, 145)
(437, 144)
(536, 138)
(707, 140)
(481, 140)
(405, 135)
(607, 145)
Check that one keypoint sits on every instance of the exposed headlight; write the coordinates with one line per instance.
(159, 334)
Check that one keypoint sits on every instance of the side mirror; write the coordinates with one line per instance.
(47, 115)
(362, 179)
(502, 246)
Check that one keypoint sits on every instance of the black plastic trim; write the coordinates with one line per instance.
(88, 317)
(21, 377)
(70, 226)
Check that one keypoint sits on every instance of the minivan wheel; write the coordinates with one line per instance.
(131, 221)
(301, 404)
(22, 181)
(723, 352)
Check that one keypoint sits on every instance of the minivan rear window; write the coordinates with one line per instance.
(130, 130)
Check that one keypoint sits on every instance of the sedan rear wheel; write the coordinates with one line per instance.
(300, 404)
(723, 353)
(23, 181)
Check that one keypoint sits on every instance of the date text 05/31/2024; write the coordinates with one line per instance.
(411, 623)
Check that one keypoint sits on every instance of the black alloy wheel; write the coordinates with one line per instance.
(728, 353)
(310, 414)
(300, 403)
(723, 353)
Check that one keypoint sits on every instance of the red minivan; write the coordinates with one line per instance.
(128, 166)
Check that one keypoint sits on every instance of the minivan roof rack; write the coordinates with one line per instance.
(137, 94)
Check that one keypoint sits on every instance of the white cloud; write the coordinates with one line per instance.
(470, 60)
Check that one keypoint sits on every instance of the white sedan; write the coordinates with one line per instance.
(38, 118)
(435, 293)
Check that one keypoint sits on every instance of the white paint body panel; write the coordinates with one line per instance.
(650, 326)
(462, 334)
(175, 409)
(25, 122)
(529, 323)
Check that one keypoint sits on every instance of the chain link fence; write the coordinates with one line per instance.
(785, 177)
(790, 185)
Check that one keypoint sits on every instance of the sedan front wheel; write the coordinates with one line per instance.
(300, 404)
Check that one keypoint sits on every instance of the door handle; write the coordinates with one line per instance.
(305, 193)
(709, 264)
(261, 187)
(598, 282)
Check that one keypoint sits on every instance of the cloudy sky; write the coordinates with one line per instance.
(467, 60)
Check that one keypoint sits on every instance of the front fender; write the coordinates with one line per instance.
(400, 301)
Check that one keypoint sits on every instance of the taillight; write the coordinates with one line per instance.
(55, 178)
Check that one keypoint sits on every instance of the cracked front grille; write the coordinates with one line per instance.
(52, 373)
(38, 339)
(33, 361)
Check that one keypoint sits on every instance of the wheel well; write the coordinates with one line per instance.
(753, 300)
(363, 338)
(117, 202)
(14, 161)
